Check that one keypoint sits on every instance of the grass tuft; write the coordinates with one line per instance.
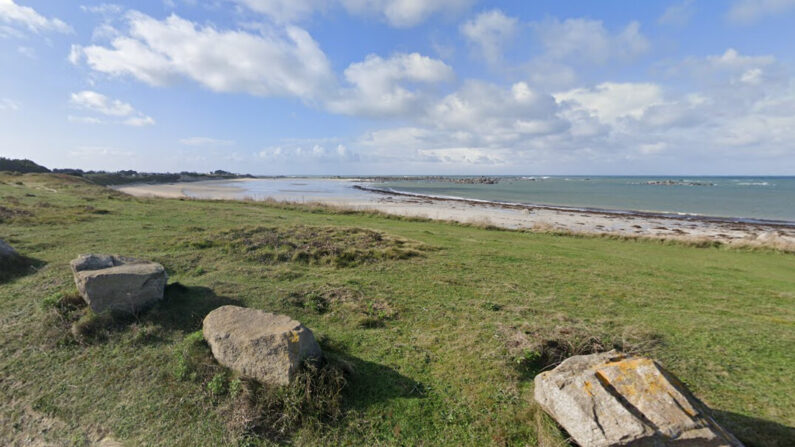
(335, 246)
(253, 410)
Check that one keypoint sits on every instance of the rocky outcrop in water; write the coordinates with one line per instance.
(440, 179)
(678, 183)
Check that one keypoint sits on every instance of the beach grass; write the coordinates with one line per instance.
(437, 328)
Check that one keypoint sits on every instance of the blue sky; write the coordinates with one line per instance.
(401, 86)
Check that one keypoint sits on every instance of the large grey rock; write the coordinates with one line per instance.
(260, 345)
(117, 283)
(609, 399)
(7, 251)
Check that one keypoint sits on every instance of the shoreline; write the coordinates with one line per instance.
(605, 211)
(689, 228)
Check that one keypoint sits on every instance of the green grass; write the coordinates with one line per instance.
(428, 339)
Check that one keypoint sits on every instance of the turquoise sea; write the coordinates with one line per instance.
(747, 198)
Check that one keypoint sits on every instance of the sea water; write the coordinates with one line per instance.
(743, 198)
(766, 198)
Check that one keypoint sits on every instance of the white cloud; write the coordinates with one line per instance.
(139, 121)
(678, 14)
(285, 62)
(9, 104)
(489, 32)
(731, 67)
(489, 110)
(574, 45)
(397, 13)
(585, 40)
(205, 141)
(13, 14)
(278, 62)
(731, 59)
(378, 84)
(611, 101)
(405, 13)
(749, 11)
(312, 153)
(75, 54)
(103, 9)
(98, 103)
(479, 124)
(284, 11)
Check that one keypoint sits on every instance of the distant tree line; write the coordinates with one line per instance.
(24, 166)
(119, 177)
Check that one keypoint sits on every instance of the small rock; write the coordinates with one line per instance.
(609, 399)
(260, 345)
(117, 283)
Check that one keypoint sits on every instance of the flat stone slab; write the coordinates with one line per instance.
(118, 283)
(609, 399)
(260, 345)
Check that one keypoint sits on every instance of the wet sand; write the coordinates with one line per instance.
(503, 216)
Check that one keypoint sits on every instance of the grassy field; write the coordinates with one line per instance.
(439, 328)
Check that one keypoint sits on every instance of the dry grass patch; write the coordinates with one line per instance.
(537, 347)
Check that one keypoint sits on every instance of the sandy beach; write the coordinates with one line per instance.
(498, 215)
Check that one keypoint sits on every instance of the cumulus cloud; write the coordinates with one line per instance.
(731, 68)
(489, 32)
(494, 114)
(746, 12)
(588, 40)
(285, 62)
(577, 44)
(282, 61)
(732, 59)
(479, 124)
(285, 11)
(100, 104)
(404, 13)
(609, 101)
(397, 13)
(25, 16)
(378, 84)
